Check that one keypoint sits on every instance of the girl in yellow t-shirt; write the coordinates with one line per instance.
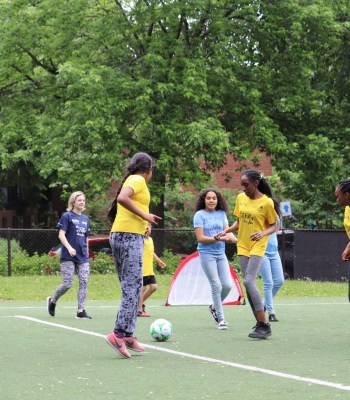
(126, 240)
(256, 218)
(149, 278)
(342, 193)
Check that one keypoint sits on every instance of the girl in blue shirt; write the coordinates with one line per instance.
(271, 272)
(74, 229)
(209, 219)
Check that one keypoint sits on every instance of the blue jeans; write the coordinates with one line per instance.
(271, 272)
(217, 270)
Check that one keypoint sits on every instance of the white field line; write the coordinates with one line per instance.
(206, 359)
(345, 303)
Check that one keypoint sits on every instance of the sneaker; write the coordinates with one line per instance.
(132, 344)
(272, 318)
(213, 314)
(142, 314)
(143, 307)
(222, 325)
(261, 331)
(83, 315)
(118, 344)
(51, 307)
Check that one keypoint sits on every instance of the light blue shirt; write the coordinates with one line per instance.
(212, 223)
(272, 244)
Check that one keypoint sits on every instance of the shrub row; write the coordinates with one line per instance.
(23, 264)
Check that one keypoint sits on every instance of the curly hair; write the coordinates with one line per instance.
(221, 205)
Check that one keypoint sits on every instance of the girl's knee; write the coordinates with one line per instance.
(153, 288)
(268, 285)
(279, 284)
(67, 286)
(227, 287)
(248, 282)
(216, 287)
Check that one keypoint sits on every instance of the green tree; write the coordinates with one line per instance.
(85, 84)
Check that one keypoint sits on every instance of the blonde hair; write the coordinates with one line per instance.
(72, 199)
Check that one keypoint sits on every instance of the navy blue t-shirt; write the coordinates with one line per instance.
(77, 228)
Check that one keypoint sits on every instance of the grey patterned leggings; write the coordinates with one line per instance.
(67, 270)
(127, 252)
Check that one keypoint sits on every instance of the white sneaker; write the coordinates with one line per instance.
(222, 325)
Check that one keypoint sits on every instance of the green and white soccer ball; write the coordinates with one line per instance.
(161, 330)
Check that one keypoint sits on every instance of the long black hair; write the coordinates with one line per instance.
(221, 205)
(263, 186)
(140, 162)
(344, 185)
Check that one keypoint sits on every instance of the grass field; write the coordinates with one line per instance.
(307, 356)
(106, 287)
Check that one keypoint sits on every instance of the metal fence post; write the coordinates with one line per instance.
(9, 266)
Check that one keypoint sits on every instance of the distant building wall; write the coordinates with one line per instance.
(233, 171)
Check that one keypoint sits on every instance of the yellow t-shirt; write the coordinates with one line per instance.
(347, 220)
(148, 251)
(254, 216)
(125, 220)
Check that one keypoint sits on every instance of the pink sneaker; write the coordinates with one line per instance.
(133, 344)
(143, 314)
(118, 345)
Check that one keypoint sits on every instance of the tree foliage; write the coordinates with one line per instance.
(86, 84)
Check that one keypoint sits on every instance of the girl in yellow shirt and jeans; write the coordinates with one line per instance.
(256, 218)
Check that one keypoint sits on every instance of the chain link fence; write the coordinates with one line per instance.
(305, 254)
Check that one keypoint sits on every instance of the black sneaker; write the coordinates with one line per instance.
(51, 307)
(213, 314)
(272, 318)
(261, 331)
(83, 315)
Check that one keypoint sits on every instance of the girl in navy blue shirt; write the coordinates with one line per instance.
(74, 228)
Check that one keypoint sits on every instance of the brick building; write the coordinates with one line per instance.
(15, 214)
(228, 177)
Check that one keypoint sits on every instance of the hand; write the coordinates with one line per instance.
(219, 235)
(257, 236)
(162, 264)
(345, 256)
(229, 238)
(152, 218)
(346, 253)
(72, 252)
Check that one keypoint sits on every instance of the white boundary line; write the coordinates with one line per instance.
(346, 304)
(207, 359)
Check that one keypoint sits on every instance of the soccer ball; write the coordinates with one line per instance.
(161, 330)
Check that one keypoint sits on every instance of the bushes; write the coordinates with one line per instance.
(102, 264)
(23, 264)
(171, 260)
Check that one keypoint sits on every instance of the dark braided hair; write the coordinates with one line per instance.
(221, 205)
(344, 185)
(140, 162)
(263, 186)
